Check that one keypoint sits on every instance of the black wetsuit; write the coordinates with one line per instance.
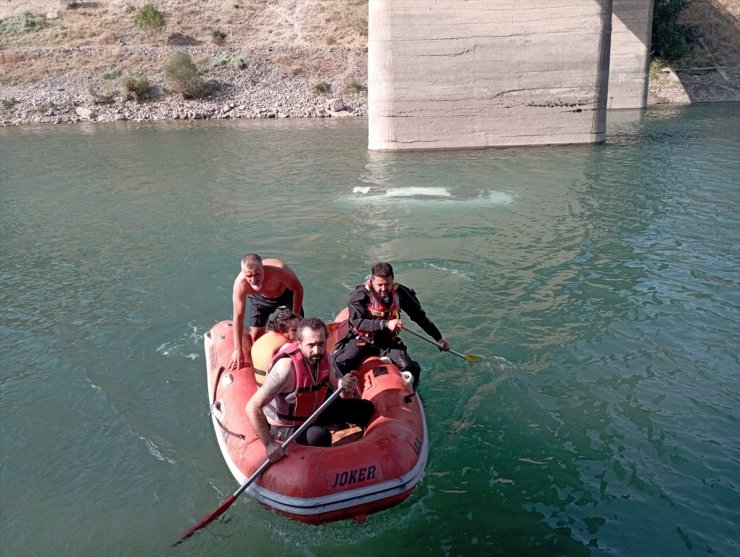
(353, 348)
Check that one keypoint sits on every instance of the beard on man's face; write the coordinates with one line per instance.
(315, 358)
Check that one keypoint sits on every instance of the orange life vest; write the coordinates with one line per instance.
(292, 409)
(377, 310)
(263, 352)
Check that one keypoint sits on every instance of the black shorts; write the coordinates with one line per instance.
(351, 410)
(260, 308)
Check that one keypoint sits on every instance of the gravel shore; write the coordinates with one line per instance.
(245, 85)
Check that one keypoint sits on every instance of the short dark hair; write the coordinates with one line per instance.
(281, 322)
(383, 270)
(313, 323)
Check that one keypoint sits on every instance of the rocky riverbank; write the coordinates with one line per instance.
(248, 85)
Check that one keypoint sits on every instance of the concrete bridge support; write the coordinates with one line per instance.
(632, 23)
(449, 74)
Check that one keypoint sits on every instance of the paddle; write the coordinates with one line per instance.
(226, 504)
(467, 357)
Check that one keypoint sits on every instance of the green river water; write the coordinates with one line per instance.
(601, 284)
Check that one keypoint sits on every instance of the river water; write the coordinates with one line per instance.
(600, 283)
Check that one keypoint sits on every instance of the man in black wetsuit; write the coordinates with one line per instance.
(375, 320)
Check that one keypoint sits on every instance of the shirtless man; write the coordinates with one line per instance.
(264, 286)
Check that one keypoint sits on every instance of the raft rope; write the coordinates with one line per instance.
(216, 406)
(225, 429)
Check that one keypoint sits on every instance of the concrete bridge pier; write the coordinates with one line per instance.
(450, 74)
(629, 66)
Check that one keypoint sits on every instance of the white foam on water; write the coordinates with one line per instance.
(500, 198)
(417, 192)
(428, 196)
(448, 270)
(181, 347)
(155, 452)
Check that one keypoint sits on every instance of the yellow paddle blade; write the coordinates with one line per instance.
(471, 358)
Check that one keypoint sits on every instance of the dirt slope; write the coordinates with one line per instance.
(267, 58)
(89, 36)
(711, 72)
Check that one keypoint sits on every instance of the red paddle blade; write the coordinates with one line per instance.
(210, 518)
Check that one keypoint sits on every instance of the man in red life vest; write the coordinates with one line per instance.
(264, 286)
(297, 383)
(375, 320)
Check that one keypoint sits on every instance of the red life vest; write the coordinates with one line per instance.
(377, 310)
(292, 409)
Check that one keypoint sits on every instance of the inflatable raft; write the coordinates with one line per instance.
(361, 473)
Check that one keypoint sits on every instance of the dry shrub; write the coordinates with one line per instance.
(342, 22)
(181, 76)
(136, 87)
(149, 18)
(288, 64)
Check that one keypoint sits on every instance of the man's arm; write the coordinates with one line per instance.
(238, 302)
(412, 306)
(293, 283)
(347, 382)
(275, 383)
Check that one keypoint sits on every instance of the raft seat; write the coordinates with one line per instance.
(345, 435)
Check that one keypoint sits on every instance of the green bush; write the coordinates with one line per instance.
(9, 103)
(182, 76)
(218, 36)
(102, 95)
(135, 87)
(671, 40)
(112, 73)
(322, 87)
(356, 85)
(227, 59)
(149, 18)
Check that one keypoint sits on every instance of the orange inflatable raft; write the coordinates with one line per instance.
(361, 473)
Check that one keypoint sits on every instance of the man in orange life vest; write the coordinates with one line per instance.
(375, 320)
(297, 383)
